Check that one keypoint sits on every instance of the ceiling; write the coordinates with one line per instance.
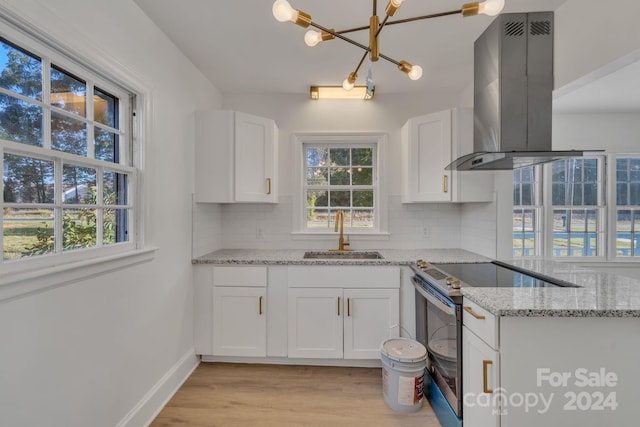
(241, 48)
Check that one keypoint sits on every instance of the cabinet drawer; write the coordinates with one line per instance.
(480, 322)
(240, 276)
(344, 277)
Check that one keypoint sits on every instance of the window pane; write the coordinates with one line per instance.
(20, 71)
(105, 145)
(362, 219)
(558, 171)
(116, 188)
(362, 156)
(590, 170)
(67, 92)
(317, 218)
(363, 199)
(27, 232)
(28, 180)
(362, 176)
(340, 199)
(79, 185)
(622, 170)
(317, 176)
(558, 195)
(105, 108)
(78, 228)
(339, 156)
(317, 156)
(591, 194)
(340, 176)
(527, 194)
(20, 121)
(560, 232)
(115, 226)
(628, 233)
(634, 170)
(634, 194)
(622, 196)
(317, 198)
(68, 135)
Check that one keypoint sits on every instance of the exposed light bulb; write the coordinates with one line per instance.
(491, 7)
(397, 3)
(347, 85)
(283, 11)
(312, 38)
(415, 73)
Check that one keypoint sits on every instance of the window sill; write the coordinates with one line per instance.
(26, 283)
(373, 236)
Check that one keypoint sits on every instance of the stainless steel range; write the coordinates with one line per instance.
(439, 321)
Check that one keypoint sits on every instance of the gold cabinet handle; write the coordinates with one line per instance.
(473, 313)
(268, 185)
(445, 183)
(348, 307)
(338, 306)
(485, 387)
(260, 306)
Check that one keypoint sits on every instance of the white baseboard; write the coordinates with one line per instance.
(354, 363)
(157, 397)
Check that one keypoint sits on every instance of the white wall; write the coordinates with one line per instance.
(86, 353)
(590, 34)
(615, 132)
(385, 114)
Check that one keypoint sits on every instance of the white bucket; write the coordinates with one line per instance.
(403, 363)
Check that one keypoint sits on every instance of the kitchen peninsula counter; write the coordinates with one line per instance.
(599, 294)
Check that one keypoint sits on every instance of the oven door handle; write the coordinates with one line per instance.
(447, 308)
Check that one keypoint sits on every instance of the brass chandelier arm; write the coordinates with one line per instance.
(402, 21)
(353, 42)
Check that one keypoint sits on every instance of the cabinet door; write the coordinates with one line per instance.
(315, 322)
(479, 376)
(254, 158)
(371, 316)
(426, 151)
(239, 321)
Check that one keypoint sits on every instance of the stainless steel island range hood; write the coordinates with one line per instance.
(513, 83)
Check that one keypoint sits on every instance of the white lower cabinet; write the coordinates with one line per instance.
(239, 321)
(479, 380)
(480, 366)
(341, 323)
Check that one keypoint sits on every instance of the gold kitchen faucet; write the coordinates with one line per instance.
(340, 225)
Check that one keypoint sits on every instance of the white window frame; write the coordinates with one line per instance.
(85, 59)
(377, 140)
(538, 208)
(600, 207)
(612, 209)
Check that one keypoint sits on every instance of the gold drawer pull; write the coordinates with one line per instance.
(268, 185)
(485, 387)
(445, 186)
(473, 313)
(260, 306)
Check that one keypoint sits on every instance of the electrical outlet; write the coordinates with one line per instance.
(425, 232)
(259, 232)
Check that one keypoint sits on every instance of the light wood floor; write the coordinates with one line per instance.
(227, 395)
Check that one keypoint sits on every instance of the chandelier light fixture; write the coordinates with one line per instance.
(284, 12)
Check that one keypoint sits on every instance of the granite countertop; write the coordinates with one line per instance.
(295, 257)
(600, 294)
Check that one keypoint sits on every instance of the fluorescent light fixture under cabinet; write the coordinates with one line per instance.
(337, 92)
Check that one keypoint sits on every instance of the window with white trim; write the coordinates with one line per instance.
(627, 211)
(527, 210)
(340, 176)
(578, 206)
(66, 145)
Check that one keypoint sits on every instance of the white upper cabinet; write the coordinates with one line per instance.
(428, 144)
(235, 158)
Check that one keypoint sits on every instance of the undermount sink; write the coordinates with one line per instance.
(342, 255)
